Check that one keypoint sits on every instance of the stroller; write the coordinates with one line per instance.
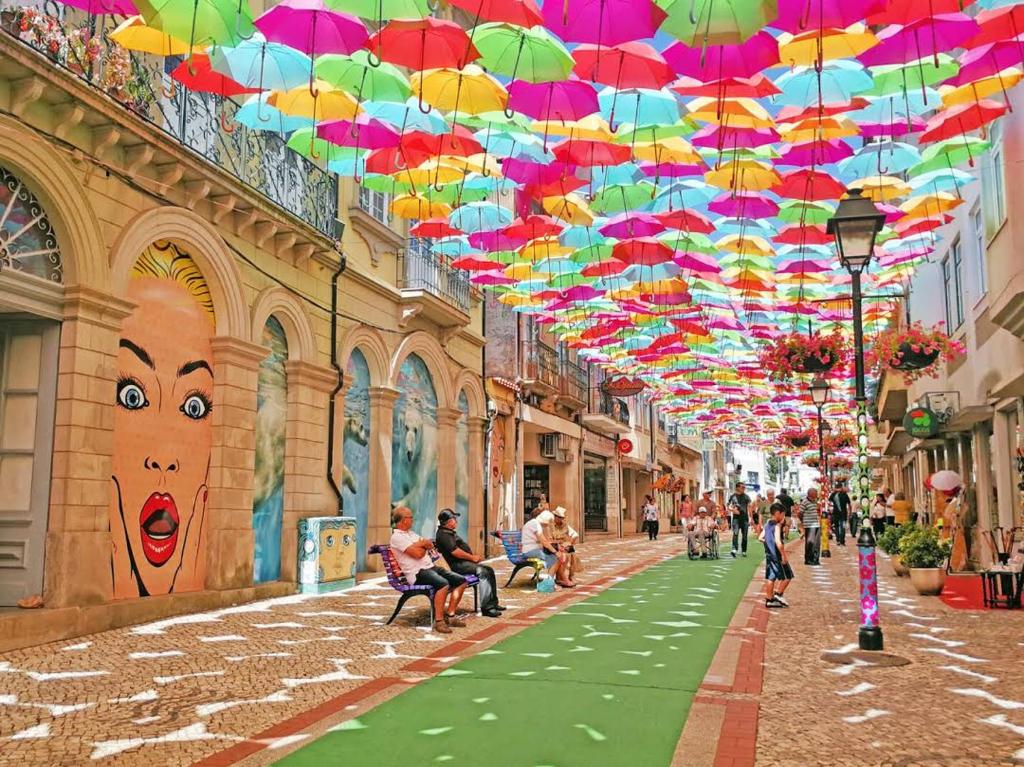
(702, 540)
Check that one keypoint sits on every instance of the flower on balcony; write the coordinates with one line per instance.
(913, 350)
(797, 353)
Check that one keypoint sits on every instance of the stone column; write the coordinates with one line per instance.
(477, 473)
(229, 537)
(78, 548)
(306, 490)
(447, 423)
(378, 526)
(1004, 460)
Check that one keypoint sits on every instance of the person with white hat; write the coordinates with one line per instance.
(565, 538)
(537, 544)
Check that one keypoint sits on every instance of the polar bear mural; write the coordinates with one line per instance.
(414, 445)
(355, 477)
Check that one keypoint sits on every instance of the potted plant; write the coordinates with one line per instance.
(842, 440)
(913, 350)
(889, 542)
(813, 461)
(796, 353)
(798, 437)
(925, 554)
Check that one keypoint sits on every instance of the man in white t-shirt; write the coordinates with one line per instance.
(412, 554)
(536, 544)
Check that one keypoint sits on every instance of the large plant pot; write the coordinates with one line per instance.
(928, 580)
(912, 360)
(898, 567)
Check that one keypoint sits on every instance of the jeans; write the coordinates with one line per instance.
(839, 525)
(488, 588)
(812, 545)
(739, 523)
(652, 525)
(854, 524)
(878, 523)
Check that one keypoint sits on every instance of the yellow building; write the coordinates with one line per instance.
(166, 339)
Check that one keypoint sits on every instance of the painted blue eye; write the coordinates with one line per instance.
(195, 406)
(131, 395)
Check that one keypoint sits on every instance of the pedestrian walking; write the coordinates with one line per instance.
(787, 503)
(854, 516)
(810, 527)
(878, 514)
(650, 512)
(777, 572)
(839, 501)
(739, 518)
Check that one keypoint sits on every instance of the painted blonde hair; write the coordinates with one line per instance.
(164, 259)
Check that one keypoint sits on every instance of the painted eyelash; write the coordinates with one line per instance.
(206, 397)
(127, 378)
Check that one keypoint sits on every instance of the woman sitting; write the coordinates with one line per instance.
(565, 539)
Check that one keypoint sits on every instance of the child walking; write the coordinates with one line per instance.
(777, 571)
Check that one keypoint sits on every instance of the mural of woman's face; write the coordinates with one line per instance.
(162, 436)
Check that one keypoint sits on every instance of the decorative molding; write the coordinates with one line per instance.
(66, 117)
(86, 304)
(136, 156)
(307, 374)
(24, 92)
(195, 191)
(237, 351)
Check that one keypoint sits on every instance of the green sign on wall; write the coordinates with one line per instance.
(921, 422)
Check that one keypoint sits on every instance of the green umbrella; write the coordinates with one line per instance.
(225, 22)
(617, 198)
(592, 253)
(630, 134)
(359, 77)
(896, 78)
(943, 155)
(692, 242)
(699, 23)
(534, 54)
(798, 211)
(569, 281)
(380, 10)
(308, 145)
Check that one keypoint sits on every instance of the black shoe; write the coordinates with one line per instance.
(491, 613)
(501, 608)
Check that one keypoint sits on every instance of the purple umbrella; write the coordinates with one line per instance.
(495, 240)
(529, 172)
(988, 60)
(312, 27)
(565, 100)
(717, 62)
(743, 205)
(893, 129)
(602, 22)
(627, 225)
(928, 36)
(671, 170)
(364, 133)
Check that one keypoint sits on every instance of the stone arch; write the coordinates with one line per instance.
(207, 249)
(370, 342)
(470, 383)
(429, 350)
(56, 185)
(282, 304)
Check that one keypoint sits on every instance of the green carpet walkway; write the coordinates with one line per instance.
(606, 681)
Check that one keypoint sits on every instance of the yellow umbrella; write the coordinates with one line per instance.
(736, 113)
(671, 150)
(979, 89)
(480, 163)
(813, 128)
(748, 244)
(623, 294)
(469, 91)
(431, 172)
(592, 127)
(516, 299)
(569, 208)
(748, 175)
(804, 277)
(415, 207)
(881, 188)
(803, 49)
(521, 270)
(544, 247)
(134, 34)
(328, 104)
(926, 205)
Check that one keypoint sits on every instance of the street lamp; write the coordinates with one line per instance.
(821, 393)
(855, 227)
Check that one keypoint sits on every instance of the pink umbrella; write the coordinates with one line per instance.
(894, 129)
(797, 16)
(743, 205)
(364, 132)
(988, 61)
(723, 137)
(566, 100)
(803, 266)
(99, 7)
(603, 22)
(698, 262)
(815, 153)
(666, 170)
(312, 27)
(629, 224)
(928, 36)
(716, 62)
(491, 278)
(495, 241)
(530, 172)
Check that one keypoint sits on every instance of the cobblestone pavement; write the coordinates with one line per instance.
(181, 689)
(959, 702)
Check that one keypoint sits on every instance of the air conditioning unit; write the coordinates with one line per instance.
(549, 445)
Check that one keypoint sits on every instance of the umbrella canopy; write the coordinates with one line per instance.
(311, 27)
(531, 54)
(195, 22)
(423, 44)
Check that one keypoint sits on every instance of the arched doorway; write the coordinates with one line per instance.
(271, 421)
(355, 480)
(414, 445)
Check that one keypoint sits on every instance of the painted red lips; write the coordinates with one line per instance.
(159, 526)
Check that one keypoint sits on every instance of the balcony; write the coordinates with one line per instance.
(572, 387)
(892, 396)
(608, 415)
(431, 287)
(200, 123)
(541, 368)
(1007, 306)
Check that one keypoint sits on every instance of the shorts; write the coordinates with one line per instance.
(439, 578)
(549, 559)
(775, 569)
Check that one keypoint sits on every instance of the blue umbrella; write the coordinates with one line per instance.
(406, 116)
(638, 106)
(257, 114)
(453, 246)
(881, 158)
(581, 236)
(897, 106)
(942, 180)
(840, 81)
(256, 63)
(730, 225)
(480, 217)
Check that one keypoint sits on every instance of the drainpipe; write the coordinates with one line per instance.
(332, 405)
(491, 413)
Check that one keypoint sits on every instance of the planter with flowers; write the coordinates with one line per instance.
(838, 441)
(813, 461)
(840, 462)
(914, 350)
(798, 437)
(797, 353)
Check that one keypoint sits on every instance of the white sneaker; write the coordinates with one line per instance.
(781, 600)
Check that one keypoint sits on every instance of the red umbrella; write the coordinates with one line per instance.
(477, 263)
(755, 87)
(961, 119)
(792, 113)
(434, 227)
(908, 11)
(523, 13)
(196, 75)
(629, 65)
(588, 153)
(608, 268)
(997, 25)
(645, 251)
(809, 185)
(417, 147)
(533, 226)
(809, 234)
(423, 44)
(686, 220)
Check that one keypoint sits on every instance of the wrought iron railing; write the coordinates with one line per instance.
(540, 363)
(605, 404)
(202, 122)
(419, 269)
(574, 381)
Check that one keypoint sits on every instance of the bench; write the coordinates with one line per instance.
(512, 541)
(397, 581)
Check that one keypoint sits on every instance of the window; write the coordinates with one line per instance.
(978, 226)
(952, 284)
(753, 478)
(993, 182)
(377, 204)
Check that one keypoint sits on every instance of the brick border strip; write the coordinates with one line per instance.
(430, 665)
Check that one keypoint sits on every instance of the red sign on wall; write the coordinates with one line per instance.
(625, 446)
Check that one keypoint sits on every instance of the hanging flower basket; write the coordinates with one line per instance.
(798, 437)
(913, 350)
(812, 461)
(840, 462)
(797, 353)
(843, 440)
(622, 386)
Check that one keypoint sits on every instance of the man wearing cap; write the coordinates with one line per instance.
(462, 560)
(701, 530)
(537, 544)
(565, 539)
(708, 503)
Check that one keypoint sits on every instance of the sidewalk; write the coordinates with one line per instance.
(183, 689)
(959, 702)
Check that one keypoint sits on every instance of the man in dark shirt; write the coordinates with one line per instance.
(739, 517)
(787, 502)
(462, 560)
(839, 501)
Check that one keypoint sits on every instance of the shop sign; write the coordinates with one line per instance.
(921, 423)
(625, 446)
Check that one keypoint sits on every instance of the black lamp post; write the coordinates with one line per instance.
(855, 227)
(821, 393)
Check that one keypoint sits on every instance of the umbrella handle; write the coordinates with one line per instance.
(259, 112)
(238, 25)
(419, 99)
(225, 126)
(373, 59)
(169, 94)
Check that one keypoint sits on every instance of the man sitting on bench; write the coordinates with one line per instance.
(463, 561)
(412, 553)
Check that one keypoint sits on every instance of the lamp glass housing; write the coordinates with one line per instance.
(855, 227)
(820, 391)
